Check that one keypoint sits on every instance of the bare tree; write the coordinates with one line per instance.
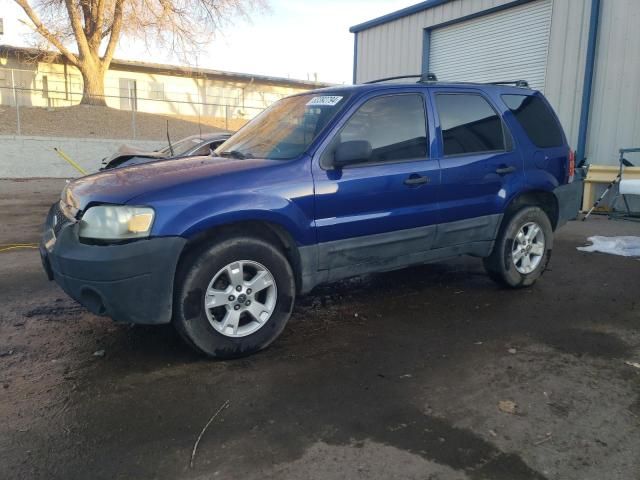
(97, 26)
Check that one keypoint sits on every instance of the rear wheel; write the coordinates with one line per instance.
(233, 298)
(522, 250)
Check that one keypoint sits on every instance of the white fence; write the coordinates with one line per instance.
(35, 157)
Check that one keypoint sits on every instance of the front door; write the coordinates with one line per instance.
(380, 213)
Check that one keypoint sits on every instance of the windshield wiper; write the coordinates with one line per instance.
(235, 154)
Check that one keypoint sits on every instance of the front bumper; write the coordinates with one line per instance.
(130, 282)
(569, 198)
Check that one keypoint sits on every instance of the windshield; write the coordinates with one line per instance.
(285, 129)
(181, 146)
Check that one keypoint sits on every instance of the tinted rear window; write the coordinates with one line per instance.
(469, 124)
(537, 120)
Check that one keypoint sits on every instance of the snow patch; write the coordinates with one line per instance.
(625, 246)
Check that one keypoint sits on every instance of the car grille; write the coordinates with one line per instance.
(57, 219)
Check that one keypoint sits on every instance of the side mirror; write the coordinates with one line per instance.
(354, 151)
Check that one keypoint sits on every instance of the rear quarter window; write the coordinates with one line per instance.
(537, 120)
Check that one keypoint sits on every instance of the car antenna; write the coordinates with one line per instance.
(169, 139)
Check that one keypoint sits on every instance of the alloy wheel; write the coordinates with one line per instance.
(240, 298)
(528, 248)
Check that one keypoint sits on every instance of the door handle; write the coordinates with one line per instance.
(414, 180)
(505, 170)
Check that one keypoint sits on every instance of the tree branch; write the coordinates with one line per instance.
(116, 28)
(46, 34)
(78, 31)
(99, 23)
(86, 13)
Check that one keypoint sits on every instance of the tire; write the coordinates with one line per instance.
(507, 264)
(229, 329)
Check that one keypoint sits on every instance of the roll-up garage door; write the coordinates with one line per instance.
(508, 45)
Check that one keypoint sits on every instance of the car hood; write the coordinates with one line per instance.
(129, 151)
(120, 185)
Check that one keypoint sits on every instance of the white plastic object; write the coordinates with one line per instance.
(630, 186)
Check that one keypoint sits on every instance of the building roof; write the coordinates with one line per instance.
(389, 17)
(176, 70)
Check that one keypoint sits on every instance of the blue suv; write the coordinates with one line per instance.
(321, 186)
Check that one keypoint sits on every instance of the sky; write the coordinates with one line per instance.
(294, 39)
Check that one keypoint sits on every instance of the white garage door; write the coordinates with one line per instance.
(507, 45)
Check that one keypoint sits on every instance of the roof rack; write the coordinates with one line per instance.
(424, 77)
(517, 83)
(431, 77)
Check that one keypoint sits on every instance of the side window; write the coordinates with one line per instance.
(469, 124)
(394, 125)
(537, 120)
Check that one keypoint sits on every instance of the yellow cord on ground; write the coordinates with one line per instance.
(69, 161)
(15, 246)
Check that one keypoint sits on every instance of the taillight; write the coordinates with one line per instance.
(572, 166)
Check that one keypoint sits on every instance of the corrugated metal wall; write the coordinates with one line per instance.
(395, 48)
(615, 107)
(566, 62)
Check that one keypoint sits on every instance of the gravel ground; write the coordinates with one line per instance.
(431, 372)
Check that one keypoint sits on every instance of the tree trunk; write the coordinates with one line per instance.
(93, 90)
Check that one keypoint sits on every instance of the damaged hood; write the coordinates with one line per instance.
(129, 151)
(120, 185)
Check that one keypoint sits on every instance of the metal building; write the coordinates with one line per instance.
(583, 54)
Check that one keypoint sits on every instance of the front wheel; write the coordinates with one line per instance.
(522, 250)
(234, 297)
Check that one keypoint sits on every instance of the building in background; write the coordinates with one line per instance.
(583, 54)
(48, 80)
(40, 112)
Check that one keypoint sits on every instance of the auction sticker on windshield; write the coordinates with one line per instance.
(325, 100)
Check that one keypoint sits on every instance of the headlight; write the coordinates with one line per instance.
(116, 222)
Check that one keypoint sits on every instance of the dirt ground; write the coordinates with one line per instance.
(398, 375)
(85, 121)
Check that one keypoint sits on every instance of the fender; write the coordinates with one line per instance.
(538, 179)
(509, 191)
(231, 208)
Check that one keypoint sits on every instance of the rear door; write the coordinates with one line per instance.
(377, 214)
(479, 165)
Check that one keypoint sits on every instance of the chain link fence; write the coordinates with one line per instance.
(41, 115)
(49, 105)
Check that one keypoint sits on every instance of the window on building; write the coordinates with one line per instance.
(45, 86)
(469, 124)
(128, 94)
(536, 118)
(75, 86)
(219, 95)
(394, 125)
(156, 91)
(269, 97)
